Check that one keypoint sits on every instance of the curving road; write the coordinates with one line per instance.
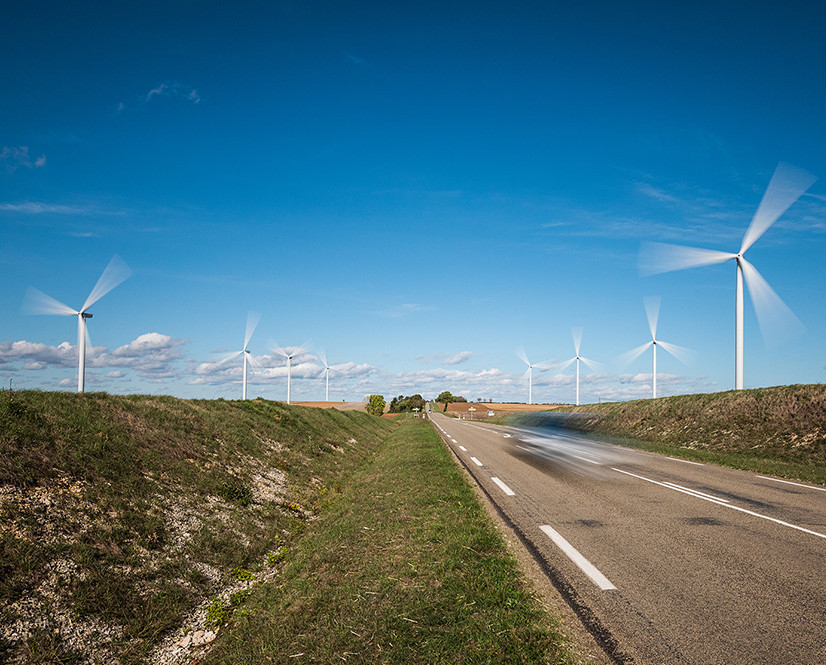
(665, 561)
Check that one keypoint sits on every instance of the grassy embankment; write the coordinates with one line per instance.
(404, 567)
(125, 519)
(780, 431)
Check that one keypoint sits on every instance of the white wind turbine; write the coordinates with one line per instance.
(326, 371)
(37, 302)
(252, 321)
(290, 352)
(523, 356)
(652, 310)
(787, 185)
(577, 335)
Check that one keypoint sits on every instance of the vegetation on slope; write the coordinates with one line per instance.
(119, 515)
(404, 567)
(778, 430)
(144, 529)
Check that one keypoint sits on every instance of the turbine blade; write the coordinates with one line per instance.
(115, 273)
(252, 321)
(652, 311)
(659, 257)
(593, 364)
(777, 321)
(684, 355)
(567, 364)
(323, 358)
(523, 356)
(228, 356)
(787, 185)
(577, 335)
(37, 302)
(630, 356)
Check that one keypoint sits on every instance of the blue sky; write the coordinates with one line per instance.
(418, 190)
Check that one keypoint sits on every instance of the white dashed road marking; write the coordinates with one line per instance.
(573, 554)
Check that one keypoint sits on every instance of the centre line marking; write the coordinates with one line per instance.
(789, 482)
(507, 490)
(573, 554)
(719, 502)
(476, 461)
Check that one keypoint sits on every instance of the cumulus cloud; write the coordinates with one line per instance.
(151, 355)
(14, 158)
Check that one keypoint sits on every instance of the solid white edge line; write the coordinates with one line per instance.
(789, 482)
(685, 461)
(476, 462)
(573, 554)
(507, 490)
(727, 505)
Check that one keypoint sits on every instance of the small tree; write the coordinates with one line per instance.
(374, 405)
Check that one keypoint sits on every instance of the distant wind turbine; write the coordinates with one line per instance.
(252, 322)
(652, 309)
(289, 353)
(37, 302)
(523, 356)
(787, 185)
(326, 371)
(577, 335)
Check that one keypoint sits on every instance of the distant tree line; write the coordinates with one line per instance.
(446, 398)
(401, 403)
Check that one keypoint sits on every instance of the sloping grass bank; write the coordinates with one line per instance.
(404, 566)
(119, 516)
(779, 430)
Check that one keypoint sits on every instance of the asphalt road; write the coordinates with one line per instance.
(665, 561)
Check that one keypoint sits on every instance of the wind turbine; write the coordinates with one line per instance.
(327, 377)
(37, 302)
(289, 353)
(252, 322)
(652, 309)
(787, 185)
(521, 353)
(577, 335)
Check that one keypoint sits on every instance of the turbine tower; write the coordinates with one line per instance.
(289, 353)
(326, 376)
(37, 302)
(652, 310)
(787, 185)
(577, 335)
(521, 353)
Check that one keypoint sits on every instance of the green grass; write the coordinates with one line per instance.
(403, 566)
(119, 504)
(779, 431)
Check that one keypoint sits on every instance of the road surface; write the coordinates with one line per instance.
(664, 560)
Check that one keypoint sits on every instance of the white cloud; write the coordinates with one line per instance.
(459, 358)
(14, 158)
(173, 90)
(40, 208)
(151, 355)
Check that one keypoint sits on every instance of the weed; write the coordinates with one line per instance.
(218, 613)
